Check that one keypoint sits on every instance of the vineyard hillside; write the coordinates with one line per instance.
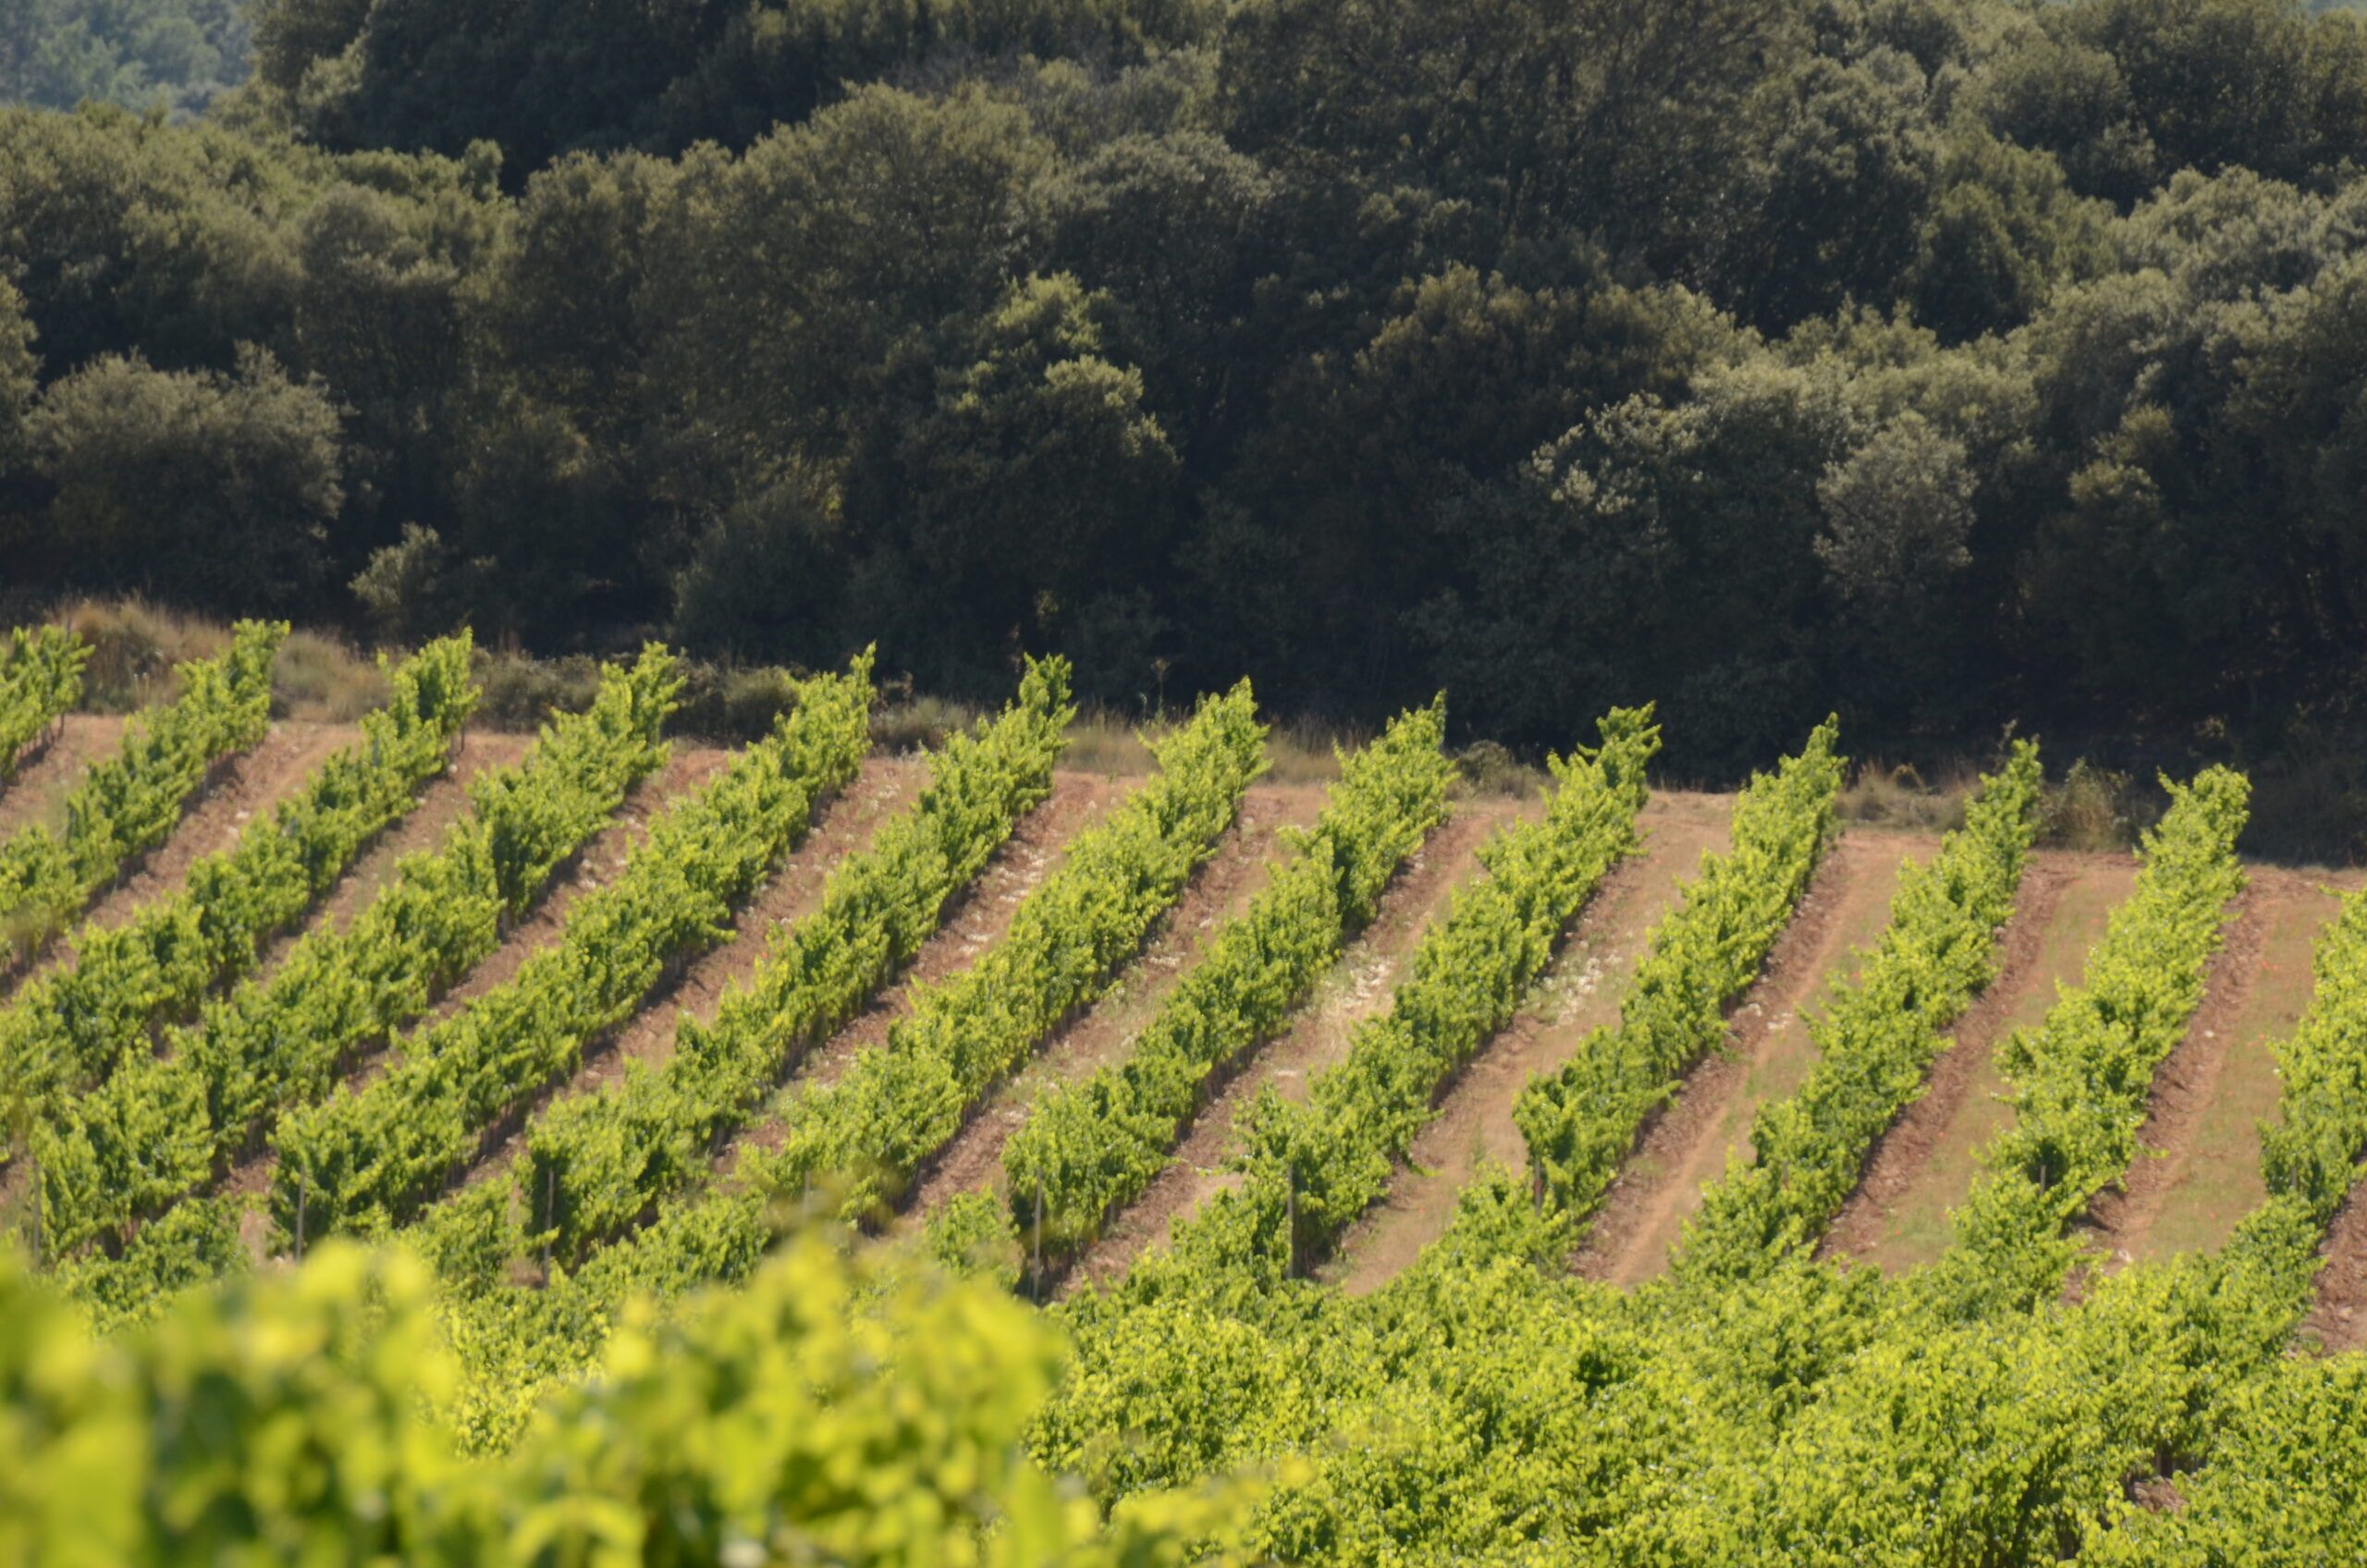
(1439, 978)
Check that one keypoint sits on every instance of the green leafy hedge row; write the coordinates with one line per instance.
(896, 1106)
(2171, 1369)
(1581, 1121)
(594, 1162)
(2015, 1436)
(1875, 1038)
(162, 1125)
(2080, 1080)
(1312, 1167)
(128, 803)
(514, 1342)
(40, 677)
(2287, 1482)
(368, 1160)
(2310, 1153)
(70, 1030)
(2285, 1447)
(1088, 1149)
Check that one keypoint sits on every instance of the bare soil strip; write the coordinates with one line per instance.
(974, 925)
(240, 788)
(981, 915)
(1766, 1054)
(883, 787)
(596, 862)
(2217, 1176)
(886, 786)
(1580, 991)
(38, 792)
(1222, 888)
(1358, 986)
(1925, 1165)
(2337, 1321)
(442, 803)
(592, 867)
(2191, 1080)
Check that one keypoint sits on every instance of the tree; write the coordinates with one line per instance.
(291, 34)
(179, 52)
(1652, 549)
(2003, 232)
(1616, 115)
(125, 235)
(19, 377)
(377, 316)
(835, 249)
(1183, 233)
(217, 490)
(1897, 513)
(2129, 92)
(1853, 138)
(1035, 481)
(1362, 466)
(759, 582)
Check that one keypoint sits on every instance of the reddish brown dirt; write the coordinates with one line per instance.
(38, 792)
(2214, 1176)
(687, 768)
(971, 925)
(2188, 1081)
(1223, 888)
(1581, 990)
(1766, 1054)
(594, 866)
(2337, 1318)
(1925, 1164)
(1358, 986)
(885, 786)
(241, 788)
(442, 803)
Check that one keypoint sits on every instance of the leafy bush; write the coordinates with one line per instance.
(160, 1126)
(1875, 1037)
(40, 676)
(70, 1029)
(594, 1162)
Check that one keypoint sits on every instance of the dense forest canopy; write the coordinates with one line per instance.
(1952, 361)
(176, 53)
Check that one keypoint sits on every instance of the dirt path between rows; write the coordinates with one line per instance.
(1358, 986)
(1580, 991)
(421, 830)
(441, 803)
(239, 791)
(884, 786)
(1925, 1163)
(2337, 1317)
(2187, 1082)
(602, 856)
(979, 918)
(1766, 1054)
(37, 793)
(1221, 888)
(2218, 1178)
